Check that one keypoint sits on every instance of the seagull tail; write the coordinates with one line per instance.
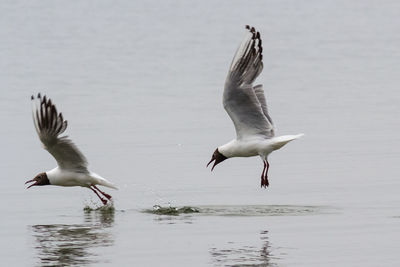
(296, 136)
(102, 181)
(280, 141)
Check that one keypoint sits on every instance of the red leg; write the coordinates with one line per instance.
(104, 194)
(266, 175)
(262, 175)
(102, 199)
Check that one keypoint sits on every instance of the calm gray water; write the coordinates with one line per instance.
(141, 86)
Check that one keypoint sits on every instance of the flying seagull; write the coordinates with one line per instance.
(72, 164)
(247, 107)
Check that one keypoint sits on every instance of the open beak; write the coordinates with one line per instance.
(215, 163)
(31, 184)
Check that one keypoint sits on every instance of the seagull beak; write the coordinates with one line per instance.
(31, 184)
(212, 159)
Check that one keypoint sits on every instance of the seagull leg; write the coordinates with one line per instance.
(102, 199)
(104, 194)
(262, 175)
(266, 175)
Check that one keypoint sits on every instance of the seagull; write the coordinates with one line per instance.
(247, 108)
(72, 164)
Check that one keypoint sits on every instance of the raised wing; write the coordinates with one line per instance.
(258, 89)
(244, 104)
(49, 125)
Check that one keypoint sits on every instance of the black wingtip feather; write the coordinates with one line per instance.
(249, 65)
(59, 122)
(47, 117)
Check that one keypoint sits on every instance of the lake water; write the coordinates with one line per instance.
(141, 86)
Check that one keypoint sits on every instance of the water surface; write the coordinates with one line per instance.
(140, 84)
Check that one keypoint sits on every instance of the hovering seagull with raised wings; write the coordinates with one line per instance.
(72, 164)
(247, 107)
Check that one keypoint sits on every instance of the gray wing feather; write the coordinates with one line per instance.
(49, 124)
(243, 103)
(258, 89)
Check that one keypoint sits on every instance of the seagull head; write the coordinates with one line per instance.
(217, 157)
(40, 179)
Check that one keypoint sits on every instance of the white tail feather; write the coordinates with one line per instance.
(280, 141)
(102, 181)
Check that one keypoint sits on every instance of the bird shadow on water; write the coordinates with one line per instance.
(236, 254)
(74, 244)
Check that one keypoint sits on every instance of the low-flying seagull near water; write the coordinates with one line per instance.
(247, 107)
(72, 164)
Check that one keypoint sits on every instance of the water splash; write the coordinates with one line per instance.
(104, 209)
(175, 211)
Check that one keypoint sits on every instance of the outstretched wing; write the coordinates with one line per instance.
(244, 103)
(50, 125)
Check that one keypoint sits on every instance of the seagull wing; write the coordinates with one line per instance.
(49, 125)
(258, 89)
(244, 103)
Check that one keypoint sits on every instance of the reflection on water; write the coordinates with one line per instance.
(243, 255)
(72, 244)
(172, 219)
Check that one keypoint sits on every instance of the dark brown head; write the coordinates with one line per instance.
(40, 179)
(218, 157)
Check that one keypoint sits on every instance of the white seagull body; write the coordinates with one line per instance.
(247, 107)
(63, 177)
(72, 164)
